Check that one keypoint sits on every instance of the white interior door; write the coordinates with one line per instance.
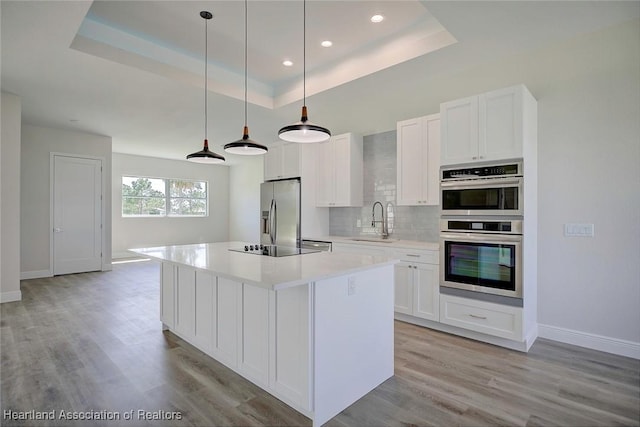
(77, 214)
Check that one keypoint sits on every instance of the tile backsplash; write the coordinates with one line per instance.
(408, 222)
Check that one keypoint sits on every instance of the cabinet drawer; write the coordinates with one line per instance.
(409, 255)
(489, 318)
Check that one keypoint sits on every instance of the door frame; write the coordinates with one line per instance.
(52, 156)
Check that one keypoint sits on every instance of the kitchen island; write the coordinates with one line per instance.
(315, 330)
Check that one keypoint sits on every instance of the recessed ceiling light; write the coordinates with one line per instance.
(377, 18)
(287, 63)
(327, 43)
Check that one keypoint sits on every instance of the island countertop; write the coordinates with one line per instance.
(269, 272)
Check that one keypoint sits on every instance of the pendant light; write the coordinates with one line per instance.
(245, 146)
(205, 155)
(304, 131)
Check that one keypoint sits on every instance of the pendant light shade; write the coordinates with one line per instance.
(205, 155)
(304, 131)
(245, 146)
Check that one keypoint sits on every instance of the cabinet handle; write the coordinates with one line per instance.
(474, 157)
(478, 317)
(414, 256)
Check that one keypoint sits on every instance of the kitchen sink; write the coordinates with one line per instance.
(364, 239)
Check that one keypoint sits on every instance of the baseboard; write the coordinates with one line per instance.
(124, 254)
(592, 341)
(10, 296)
(36, 274)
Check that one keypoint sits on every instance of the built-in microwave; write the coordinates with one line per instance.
(482, 256)
(495, 189)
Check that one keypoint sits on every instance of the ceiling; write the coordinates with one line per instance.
(134, 70)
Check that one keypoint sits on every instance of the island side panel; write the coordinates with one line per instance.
(353, 338)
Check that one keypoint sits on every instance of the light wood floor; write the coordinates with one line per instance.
(93, 342)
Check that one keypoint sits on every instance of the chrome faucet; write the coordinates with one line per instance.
(385, 230)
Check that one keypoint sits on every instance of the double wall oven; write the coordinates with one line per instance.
(481, 228)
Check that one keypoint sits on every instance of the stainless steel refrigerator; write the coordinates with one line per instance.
(280, 212)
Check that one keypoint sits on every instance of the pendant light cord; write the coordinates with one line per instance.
(304, 52)
(245, 61)
(206, 49)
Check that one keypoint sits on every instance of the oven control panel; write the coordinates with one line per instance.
(482, 226)
(489, 171)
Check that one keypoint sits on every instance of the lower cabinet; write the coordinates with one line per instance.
(489, 318)
(254, 344)
(226, 322)
(262, 334)
(416, 284)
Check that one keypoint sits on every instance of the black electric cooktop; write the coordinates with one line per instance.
(273, 250)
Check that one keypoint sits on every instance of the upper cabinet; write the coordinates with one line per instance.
(282, 161)
(491, 126)
(418, 153)
(339, 172)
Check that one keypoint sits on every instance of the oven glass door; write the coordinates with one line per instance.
(479, 198)
(484, 266)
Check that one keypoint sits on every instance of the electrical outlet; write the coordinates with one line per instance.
(578, 230)
(351, 287)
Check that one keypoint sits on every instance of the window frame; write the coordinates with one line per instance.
(167, 197)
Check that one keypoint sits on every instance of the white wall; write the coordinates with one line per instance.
(244, 199)
(37, 144)
(131, 233)
(10, 198)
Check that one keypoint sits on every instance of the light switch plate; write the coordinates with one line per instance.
(578, 230)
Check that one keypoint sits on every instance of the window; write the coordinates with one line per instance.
(143, 196)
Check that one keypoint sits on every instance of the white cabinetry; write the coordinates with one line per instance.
(260, 333)
(205, 309)
(282, 161)
(418, 151)
(185, 301)
(486, 127)
(227, 322)
(416, 283)
(167, 295)
(339, 175)
(493, 319)
(254, 354)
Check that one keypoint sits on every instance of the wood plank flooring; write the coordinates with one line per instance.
(92, 342)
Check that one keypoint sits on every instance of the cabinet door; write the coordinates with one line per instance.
(205, 290)
(411, 162)
(426, 293)
(289, 353)
(341, 170)
(500, 124)
(431, 177)
(167, 294)
(325, 192)
(228, 310)
(403, 294)
(254, 354)
(290, 160)
(273, 162)
(186, 296)
(459, 125)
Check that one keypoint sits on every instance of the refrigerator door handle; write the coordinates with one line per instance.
(272, 221)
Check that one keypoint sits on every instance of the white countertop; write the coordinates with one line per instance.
(373, 241)
(265, 271)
